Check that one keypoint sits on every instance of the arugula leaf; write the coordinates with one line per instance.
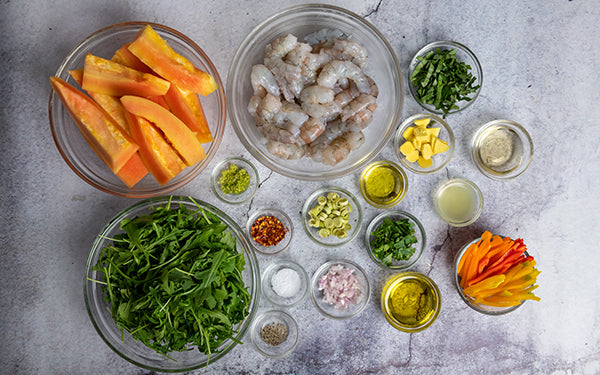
(394, 240)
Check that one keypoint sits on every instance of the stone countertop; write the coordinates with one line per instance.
(540, 61)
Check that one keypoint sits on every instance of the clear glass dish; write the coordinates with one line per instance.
(275, 317)
(301, 20)
(270, 292)
(392, 196)
(79, 155)
(134, 351)
(285, 221)
(233, 198)
(458, 202)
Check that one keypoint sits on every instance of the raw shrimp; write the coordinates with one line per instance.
(311, 130)
(262, 78)
(317, 101)
(345, 96)
(344, 49)
(359, 104)
(286, 151)
(287, 76)
(336, 69)
(284, 126)
(268, 107)
(338, 149)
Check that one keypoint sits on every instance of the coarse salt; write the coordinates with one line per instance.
(286, 282)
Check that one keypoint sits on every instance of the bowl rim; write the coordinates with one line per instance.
(355, 208)
(527, 157)
(248, 166)
(450, 44)
(459, 254)
(248, 40)
(325, 267)
(472, 185)
(418, 252)
(283, 217)
(449, 154)
(278, 313)
(396, 169)
(286, 263)
(249, 256)
(410, 275)
(124, 191)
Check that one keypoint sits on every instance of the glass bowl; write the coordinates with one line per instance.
(479, 307)
(458, 202)
(123, 343)
(281, 245)
(301, 20)
(395, 215)
(421, 287)
(440, 160)
(275, 317)
(502, 149)
(351, 310)
(233, 198)
(462, 54)
(392, 178)
(279, 298)
(79, 155)
(355, 217)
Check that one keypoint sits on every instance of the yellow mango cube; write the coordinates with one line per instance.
(413, 156)
(440, 146)
(421, 134)
(422, 122)
(416, 143)
(433, 131)
(426, 151)
(408, 133)
(406, 148)
(424, 163)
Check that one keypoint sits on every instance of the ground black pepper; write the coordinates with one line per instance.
(274, 333)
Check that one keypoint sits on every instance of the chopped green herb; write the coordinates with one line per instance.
(442, 80)
(393, 240)
(173, 280)
(234, 180)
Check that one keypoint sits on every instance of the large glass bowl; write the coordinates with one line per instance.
(301, 20)
(135, 351)
(79, 155)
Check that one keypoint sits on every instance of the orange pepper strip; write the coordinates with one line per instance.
(468, 256)
(500, 250)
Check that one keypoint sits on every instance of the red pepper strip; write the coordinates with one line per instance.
(497, 252)
(515, 249)
(500, 269)
(482, 264)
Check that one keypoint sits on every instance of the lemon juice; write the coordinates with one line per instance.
(458, 202)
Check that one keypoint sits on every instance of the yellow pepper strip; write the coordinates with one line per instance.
(484, 285)
(523, 281)
(500, 301)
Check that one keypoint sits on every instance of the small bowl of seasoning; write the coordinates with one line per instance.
(332, 216)
(424, 143)
(395, 240)
(502, 149)
(340, 289)
(270, 231)
(285, 283)
(458, 202)
(410, 301)
(234, 180)
(274, 334)
(449, 66)
(383, 184)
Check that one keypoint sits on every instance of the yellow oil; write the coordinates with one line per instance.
(382, 184)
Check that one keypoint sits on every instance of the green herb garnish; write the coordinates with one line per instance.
(442, 80)
(173, 280)
(234, 180)
(393, 240)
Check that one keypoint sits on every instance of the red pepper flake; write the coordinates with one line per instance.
(268, 231)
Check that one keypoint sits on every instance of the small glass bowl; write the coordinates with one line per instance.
(439, 160)
(370, 175)
(432, 296)
(462, 54)
(275, 317)
(507, 134)
(329, 310)
(232, 198)
(269, 291)
(355, 220)
(484, 309)
(474, 202)
(395, 215)
(281, 245)
(76, 151)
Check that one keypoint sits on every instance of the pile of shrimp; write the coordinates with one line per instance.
(313, 100)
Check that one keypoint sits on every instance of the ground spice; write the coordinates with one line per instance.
(274, 333)
(234, 180)
(268, 230)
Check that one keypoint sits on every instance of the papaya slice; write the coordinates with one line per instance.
(187, 107)
(156, 153)
(101, 132)
(156, 53)
(175, 131)
(133, 171)
(124, 56)
(111, 78)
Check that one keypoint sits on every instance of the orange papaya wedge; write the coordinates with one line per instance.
(133, 171)
(101, 132)
(156, 53)
(157, 155)
(187, 107)
(111, 78)
(175, 131)
(124, 56)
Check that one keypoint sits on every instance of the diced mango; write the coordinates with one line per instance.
(408, 133)
(416, 143)
(426, 151)
(440, 146)
(406, 148)
(433, 131)
(424, 163)
(422, 122)
(421, 134)
(413, 156)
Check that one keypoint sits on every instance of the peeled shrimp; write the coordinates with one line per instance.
(360, 103)
(287, 76)
(317, 101)
(286, 151)
(262, 78)
(345, 96)
(336, 69)
(338, 149)
(311, 130)
(344, 49)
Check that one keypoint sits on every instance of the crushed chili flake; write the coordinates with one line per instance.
(268, 230)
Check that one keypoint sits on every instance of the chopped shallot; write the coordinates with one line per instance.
(341, 287)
